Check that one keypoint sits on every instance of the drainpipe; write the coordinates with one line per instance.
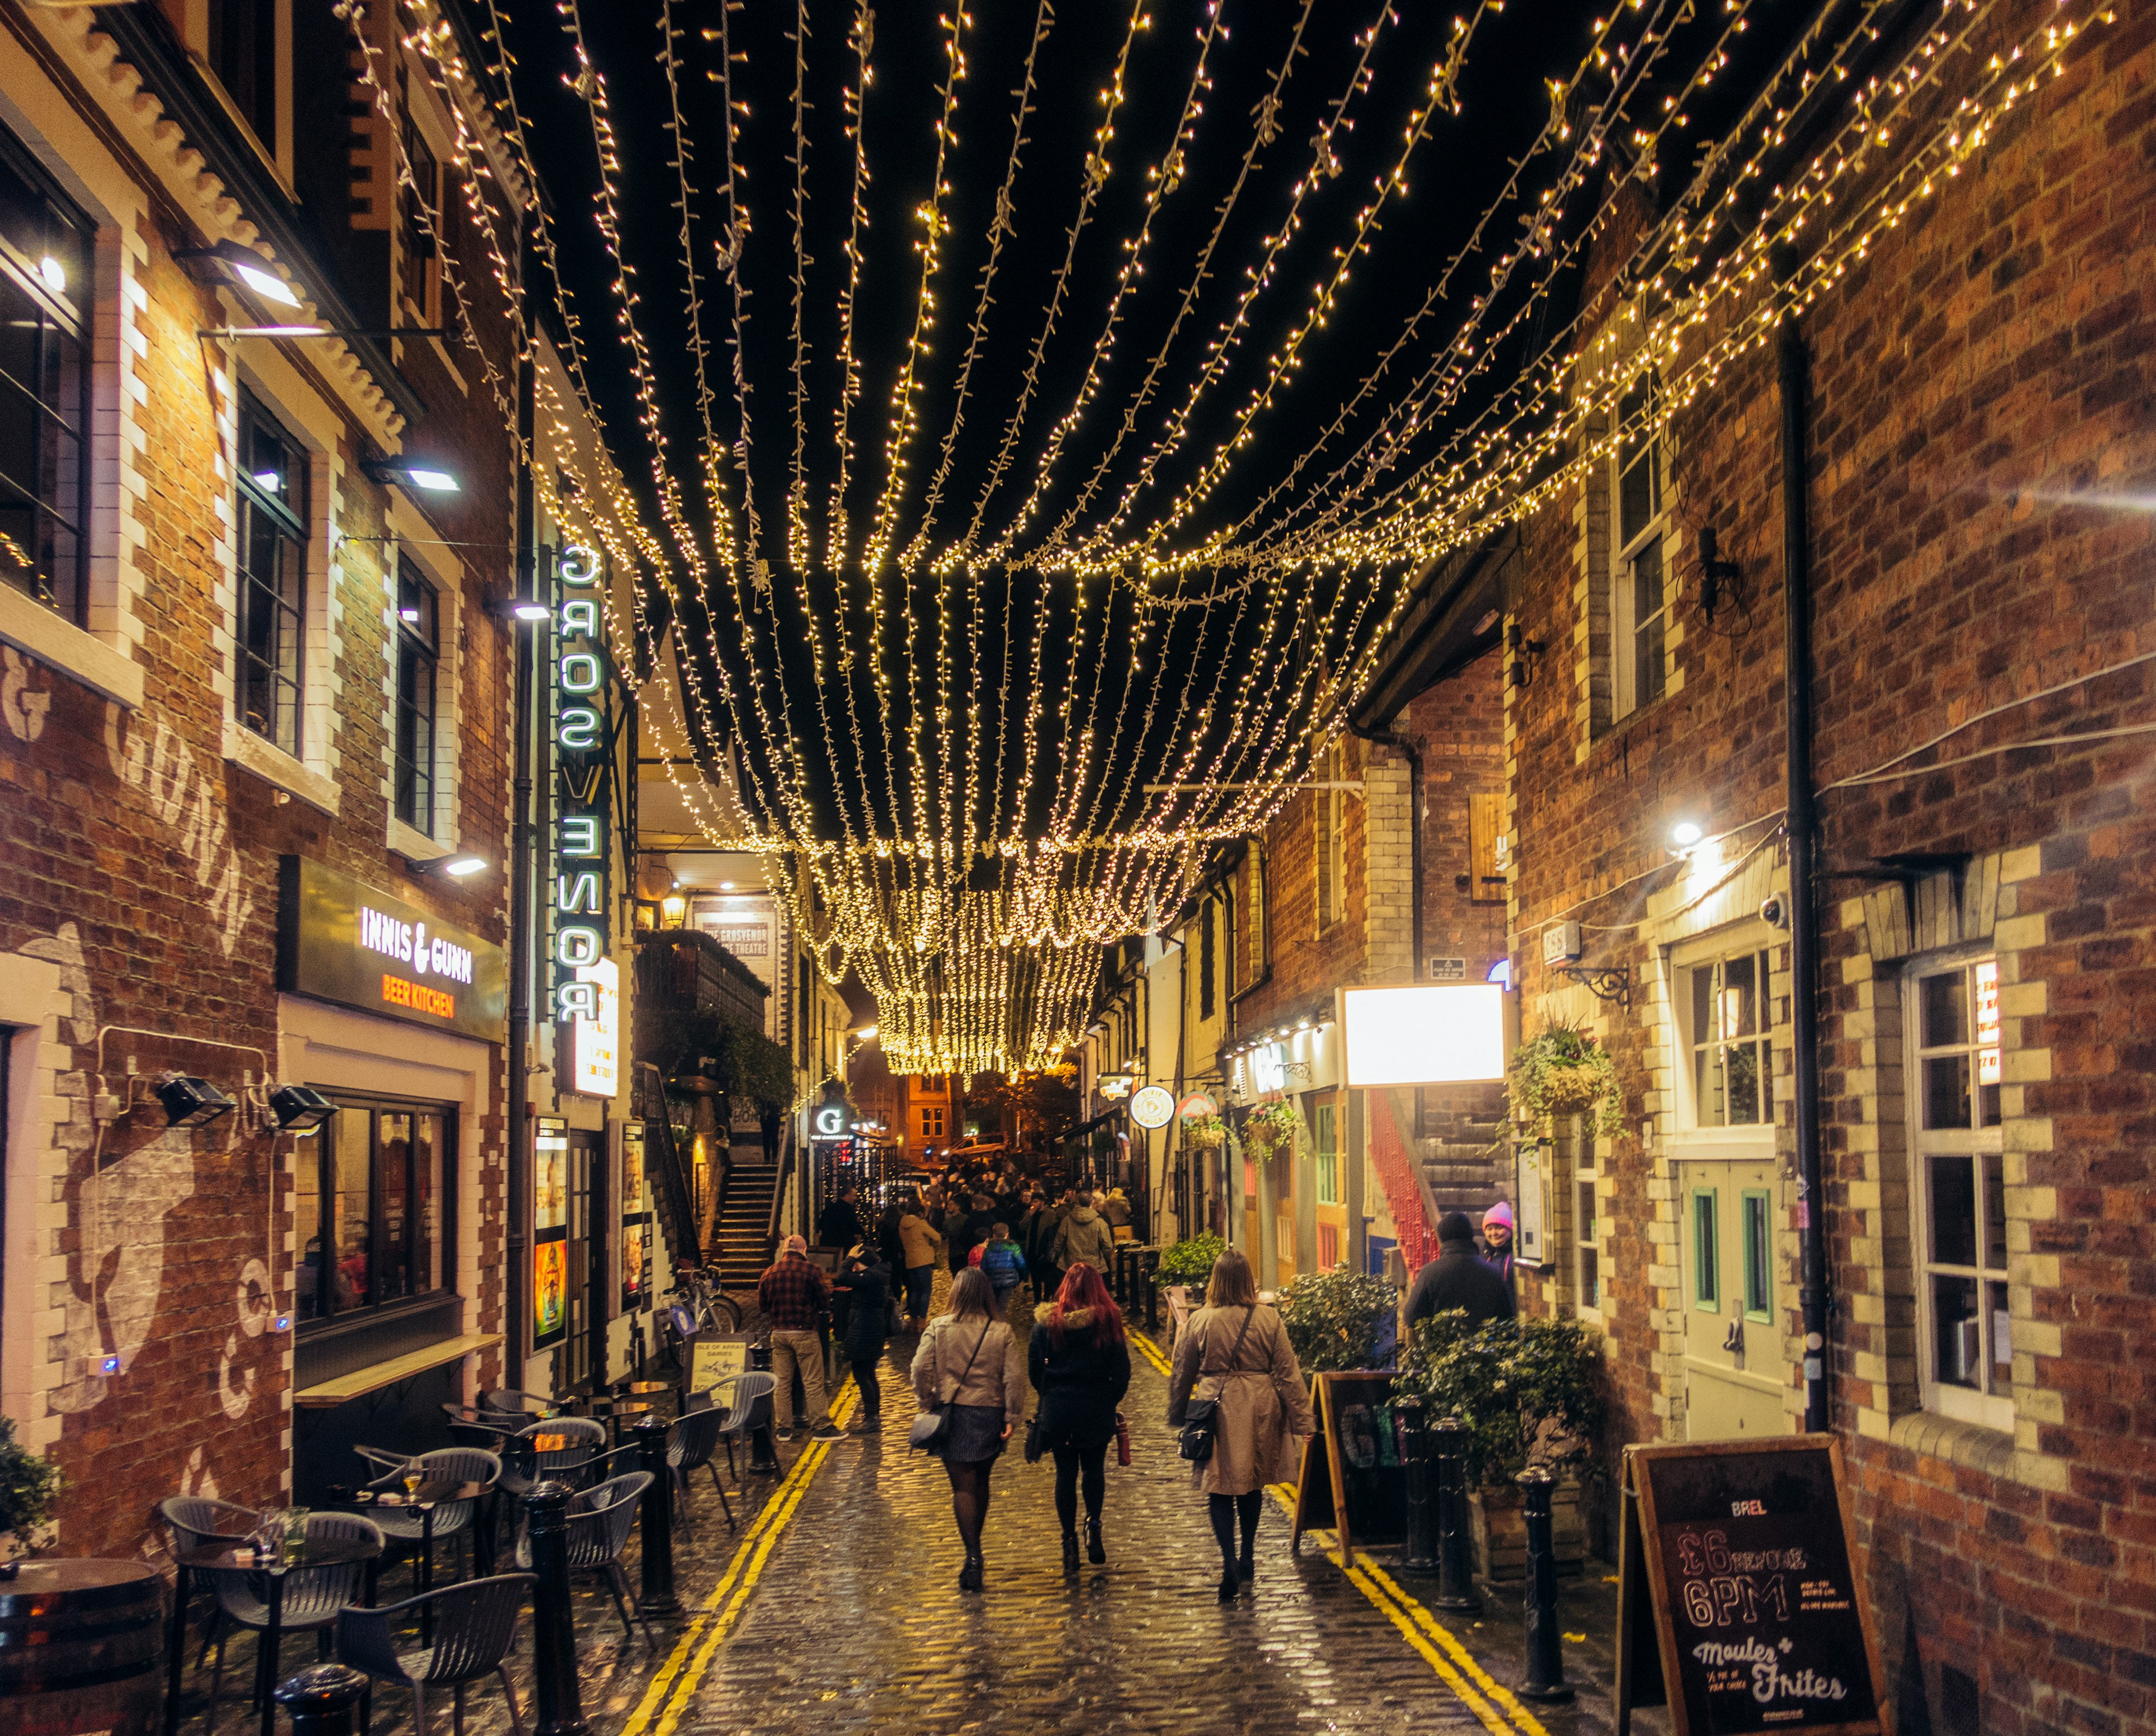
(519, 1132)
(1801, 823)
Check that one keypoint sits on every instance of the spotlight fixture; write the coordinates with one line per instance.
(241, 267)
(299, 1108)
(1685, 833)
(412, 474)
(456, 865)
(191, 1102)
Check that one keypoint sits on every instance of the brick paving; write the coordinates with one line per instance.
(857, 1622)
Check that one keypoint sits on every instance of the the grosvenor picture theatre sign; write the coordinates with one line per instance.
(587, 982)
(338, 940)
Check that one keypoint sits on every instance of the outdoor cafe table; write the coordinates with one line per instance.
(426, 1499)
(223, 1559)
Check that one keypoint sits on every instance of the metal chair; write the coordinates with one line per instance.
(405, 1526)
(583, 1442)
(196, 1522)
(599, 1522)
(514, 1400)
(690, 1445)
(474, 1625)
(312, 1597)
(745, 1392)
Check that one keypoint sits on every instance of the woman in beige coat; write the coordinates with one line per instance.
(969, 1366)
(1236, 1352)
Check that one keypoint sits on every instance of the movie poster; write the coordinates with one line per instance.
(549, 1233)
(550, 1289)
(636, 1262)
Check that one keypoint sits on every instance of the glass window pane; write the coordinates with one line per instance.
(1957, 1337)
(354, 1208)
(1953, 1210)
(1586, 1212)
(1746, 1062)
(1590, 1278)
(1707, 1255)
(427, 1159)
(392, 1263)
(1946, 1090)
(1703, 1004)
(1995, 1211)
(1998, 1332)
(1740, 996)
(311, 1296)
(1759, 1255)
(1944, 1002)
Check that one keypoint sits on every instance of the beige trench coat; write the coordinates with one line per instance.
(1264, 1405)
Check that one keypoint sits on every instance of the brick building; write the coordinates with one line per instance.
(1974, 429)
(257, 685)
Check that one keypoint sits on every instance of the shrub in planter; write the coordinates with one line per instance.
(1190, 1261)
(28, 1486)
(1336, 1319)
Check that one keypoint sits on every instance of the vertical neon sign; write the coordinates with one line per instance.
(584, 756)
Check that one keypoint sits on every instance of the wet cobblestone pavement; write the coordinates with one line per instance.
(834, 1607)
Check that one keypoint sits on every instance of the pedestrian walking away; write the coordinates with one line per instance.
(1458, 1279)
(968, 1365)
(1004, 1265)
(1235, 1353)
(1080, 1362)
(920, 1242)
(868, 1279)
(796, 1300)
(1085, 1235)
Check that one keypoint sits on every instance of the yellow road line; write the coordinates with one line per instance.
(692, 1656)
(1153, 1353)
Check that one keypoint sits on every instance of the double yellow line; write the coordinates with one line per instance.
(1494, 1705)
(660, 1709)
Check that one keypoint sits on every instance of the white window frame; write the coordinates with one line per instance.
(1990, 1410)
(1625, 623)
(1686, 1137)
(416, 540)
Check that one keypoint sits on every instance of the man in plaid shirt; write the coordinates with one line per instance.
(795, 1297)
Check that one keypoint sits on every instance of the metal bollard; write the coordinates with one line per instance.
(1546, 1680)
(1421, 1555)
(553, 1624)
(320, 1699)
(762, 1452)
(656, 1516)
(1152, 1289)
(1455, 1575)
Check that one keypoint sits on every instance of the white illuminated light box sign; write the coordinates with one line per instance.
(1153, 1107)
(831, 1121)
(1423, 1035)
(595, 1065)
(1268, 1068)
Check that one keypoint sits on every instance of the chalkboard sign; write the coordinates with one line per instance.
(1351, 1481)
(1748, 1555)
(714, 1357)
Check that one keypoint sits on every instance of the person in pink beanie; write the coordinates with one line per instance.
(1497, 1240)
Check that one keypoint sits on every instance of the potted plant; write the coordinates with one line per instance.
(28, 1486)
(1524, 1390)
(1337, 1319)
(1190, 1261)
(1562, 1071)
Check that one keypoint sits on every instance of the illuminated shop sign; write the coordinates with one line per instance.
(338, 940)
(587, 983)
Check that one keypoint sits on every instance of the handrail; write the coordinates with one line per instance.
(678, 1212)
(777, 1203)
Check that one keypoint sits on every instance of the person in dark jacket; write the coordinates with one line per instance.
(838, 1224)
(1458, 1279)
(867, 1281)
(1080, 1362)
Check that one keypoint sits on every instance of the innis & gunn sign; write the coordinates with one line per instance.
(338, 940)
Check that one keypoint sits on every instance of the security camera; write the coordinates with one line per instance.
(1774, 911)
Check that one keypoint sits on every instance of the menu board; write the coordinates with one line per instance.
(1353, 1481)
(1746, 1551)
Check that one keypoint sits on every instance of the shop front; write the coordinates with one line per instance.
(1296, 1138)
(395, 1017)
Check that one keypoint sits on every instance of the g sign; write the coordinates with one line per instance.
(830, 1122)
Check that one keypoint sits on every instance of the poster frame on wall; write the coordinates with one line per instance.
(550, 1233)
(636, 1225)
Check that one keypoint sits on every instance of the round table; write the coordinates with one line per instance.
(224, 1559)
(430, 1497)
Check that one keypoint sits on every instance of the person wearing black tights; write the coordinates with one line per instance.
(1236, 1352)
(969, 1366)
(1080, 1364)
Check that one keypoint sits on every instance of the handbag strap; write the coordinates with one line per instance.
(1203, 1373)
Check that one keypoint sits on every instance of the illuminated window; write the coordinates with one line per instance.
(1639, 588)
(372, 1204)
(418, 653)
(419, 206)
(271, 508)
(1954, 1102)
(1731, 1056)
(1589, 1257)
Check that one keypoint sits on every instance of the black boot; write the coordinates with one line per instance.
(1248, 1570)
(969, 1576)
(1229, 1584)
(1070, 1554)
(1095, 1551)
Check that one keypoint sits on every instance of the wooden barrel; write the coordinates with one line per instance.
(80, 1644)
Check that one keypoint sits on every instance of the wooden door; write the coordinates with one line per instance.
(1735, 1374)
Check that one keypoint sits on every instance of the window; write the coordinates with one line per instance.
(419, 206)
(1329, 1247)
(932, 1121)
(372, 1208)
(46, 256)
(419, 652)
(271, 507)
(1326, 1156)
(1706, 1253)
(1967, 1333)
(1758, 1256)
(1206, 966)
(1590, 1256)
(1731, 1065)
(1639, 588)
(243, 51)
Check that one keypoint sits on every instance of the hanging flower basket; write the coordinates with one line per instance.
(1272, 1125)
(1204, 1133)
(1562, 1071)
(1571, 1091)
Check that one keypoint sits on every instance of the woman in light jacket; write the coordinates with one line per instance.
(1236, 1352)
(969, 1362)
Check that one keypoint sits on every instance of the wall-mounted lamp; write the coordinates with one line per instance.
(1717, 578)
(299, 1108)
(1684, 836)
(412, 474)
(1521, 648)
(673, 910)
(191, 1102)
(458, 864)
(229, 263)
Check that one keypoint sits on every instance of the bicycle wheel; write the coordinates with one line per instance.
(726, 1313)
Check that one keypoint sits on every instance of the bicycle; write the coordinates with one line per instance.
(700, 1305)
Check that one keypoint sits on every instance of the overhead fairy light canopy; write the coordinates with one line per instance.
(1048, 414)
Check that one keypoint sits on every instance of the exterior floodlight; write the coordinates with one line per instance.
(866, 1032)
(241, 267)
(191, 1102)
(456, 866)
(525, 609)
(409, 474)
(1685, 833)
(299, 1108)
(1423, 1035)
(53, 275)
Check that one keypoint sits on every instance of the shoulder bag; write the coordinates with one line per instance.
(1201, 1417)
(928, 1427)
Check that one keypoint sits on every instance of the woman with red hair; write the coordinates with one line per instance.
(1080, 1361)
